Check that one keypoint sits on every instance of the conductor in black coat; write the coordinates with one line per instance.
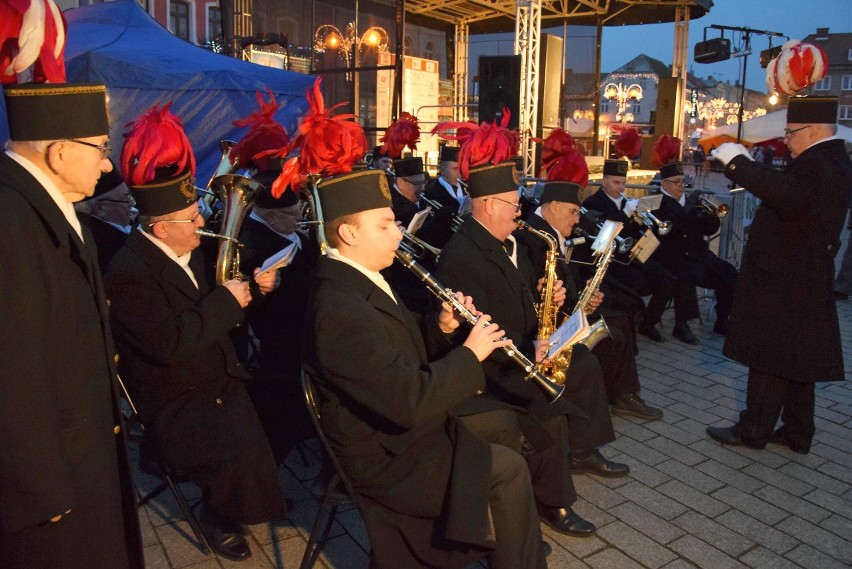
(426, 487)
(685, 253)
(66, 495)
(558, 214)
(784, 324)
(171, 329)
(278, 322)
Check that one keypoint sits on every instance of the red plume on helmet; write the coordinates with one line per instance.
(32, 32)
(478, 145)
(628, 143)
(265, 133)
(404, 131)
(156, 139)
(797, 67)
(666, 150)
(561, 159)
(328, 144)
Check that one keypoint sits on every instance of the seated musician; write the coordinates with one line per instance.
(502, 279)
(447, 191)
(685, 253)
(380, 160)
(171, 329)
(558, 214)
(626, 284)
(408, 185)
(428, 488)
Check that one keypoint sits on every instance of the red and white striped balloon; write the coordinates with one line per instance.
(798, 66)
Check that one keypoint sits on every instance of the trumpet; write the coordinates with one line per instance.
(649, 219)
(416, 247)
(305, 224)
(720, 210)
(624, 243)
(455, 221)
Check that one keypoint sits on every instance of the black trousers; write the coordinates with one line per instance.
(720, 276)
(616, 356)
(769, 397)
(585, 388)
(546, 458)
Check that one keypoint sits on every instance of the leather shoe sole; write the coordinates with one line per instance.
(599, 466)
(566, 521)
(727, 436)
(226, 543)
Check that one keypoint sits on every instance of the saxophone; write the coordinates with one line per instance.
(547, 310)
(599, 330)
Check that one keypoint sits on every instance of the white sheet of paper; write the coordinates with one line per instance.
(418, 220)
(605, 236)
(280, 259)
(650, 203)
(570, 332)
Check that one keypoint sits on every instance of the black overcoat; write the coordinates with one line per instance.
(475, 263)
(385, 410)
(685, 245)
(108, 239)
(784, 320)
(189, 386)
(438, 227)
(58, 403)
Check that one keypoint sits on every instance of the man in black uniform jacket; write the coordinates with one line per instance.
(448, 191)
(475, 260)
(784, 324)
(107, 214)
(278, 321)
(685, 253)
(172, 332)
(432, 494)
(66, 495)
(626, 284)
(558, 214)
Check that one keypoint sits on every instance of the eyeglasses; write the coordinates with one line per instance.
(194, 217)
(788, 132)
(105, 150)
(516, 205)
(675, 182)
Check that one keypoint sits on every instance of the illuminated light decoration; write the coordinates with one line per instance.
(797, 67)
(622, 95)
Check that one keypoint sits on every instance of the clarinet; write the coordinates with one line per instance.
(552, 391)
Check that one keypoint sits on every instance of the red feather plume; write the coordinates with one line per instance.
(666, 150)
(265, 133)
(561, 159)
(32, 35)
(405, 131)
(488, 142)
(328, 144)
(156, 139)
(628, 143)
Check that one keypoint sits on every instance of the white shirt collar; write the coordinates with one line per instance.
(374, 276)
(294, 237)
(616, 201)
(66, 207)
(456, 192)
(182, 261)
(681, 201)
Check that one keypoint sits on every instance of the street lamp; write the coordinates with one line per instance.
(622, 95)
(329, 37)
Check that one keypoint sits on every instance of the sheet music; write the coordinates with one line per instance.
(570, 332)
(649, 203)
(418, 220)
(646, 245)
(280, 259)
(605, 237)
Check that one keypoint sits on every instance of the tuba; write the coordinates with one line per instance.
(224, 167)
(237, 194)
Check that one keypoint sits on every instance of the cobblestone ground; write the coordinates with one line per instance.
(689, 502)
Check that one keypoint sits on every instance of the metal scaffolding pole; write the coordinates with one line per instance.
(527, 44)
(679, 61)
(460, 45)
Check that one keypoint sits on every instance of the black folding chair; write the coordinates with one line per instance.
(131, 419)
(338, 491)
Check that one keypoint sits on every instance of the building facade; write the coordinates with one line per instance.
(838, 80)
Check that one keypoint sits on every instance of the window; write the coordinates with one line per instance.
(179, 19)
(605, 106)
(845, 113)
(429, 50)
(846, 83)
(637, 108)
(214, 22)
(824, 84)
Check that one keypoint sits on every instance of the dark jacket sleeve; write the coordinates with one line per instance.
(780, 190)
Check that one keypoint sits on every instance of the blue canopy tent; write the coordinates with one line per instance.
(142, 64)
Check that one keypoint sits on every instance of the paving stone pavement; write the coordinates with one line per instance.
(688, 503)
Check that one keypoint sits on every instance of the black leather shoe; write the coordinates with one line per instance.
(724, 435)
(633, 405)
(225, 538)
(651, 332)
(684, 334)
(596, 464)
(778, 437)
(546, 550)
(566, 520)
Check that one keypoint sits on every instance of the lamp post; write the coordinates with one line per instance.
(622, 95)
(348, 44)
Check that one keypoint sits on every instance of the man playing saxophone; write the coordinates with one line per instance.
(557, 216)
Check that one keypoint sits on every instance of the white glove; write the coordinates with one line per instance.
(727, 151)
(630, 206)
